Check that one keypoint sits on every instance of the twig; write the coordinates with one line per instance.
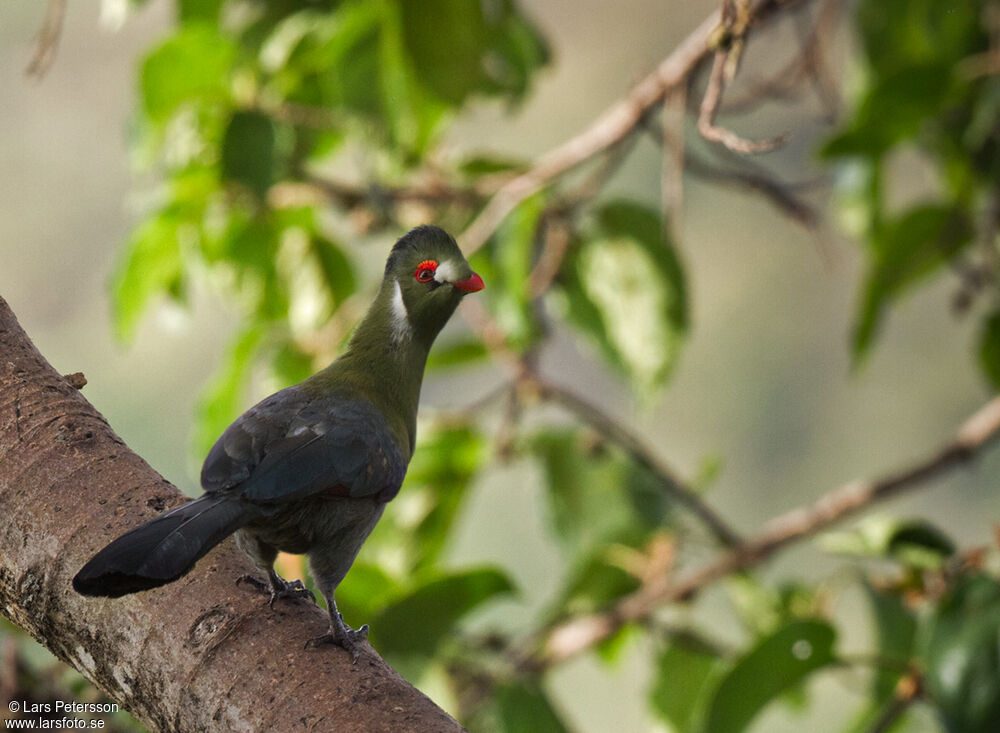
(350, 195)
(672, 163)
(908, 691)
(615, 124)
(48, 39)
(778, 193)
(577, 635)
(807, 63)
(710, 107)
(618, 434)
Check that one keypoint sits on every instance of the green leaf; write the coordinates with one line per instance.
(193, 65)
(364, 592)
(774, 666)
(194, 10)
(460, 47)
(458, 353)
(337, 268)
(900, 33)
(151, 266)
(914, 542)
(989, 348)
(222, 400)
(685, 676)
(417, 623)
(443, 465)
(907, 250)
(596, 495)
(248, 151)
(627, 291)
(962, 653)
(593, 584)
(896, 630)
(446, 40)
(893, 110)
(505, 263)
(521, 707)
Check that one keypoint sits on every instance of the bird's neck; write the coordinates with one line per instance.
(387, 363)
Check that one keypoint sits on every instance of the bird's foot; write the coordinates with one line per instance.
(281, 589)
(350, 640)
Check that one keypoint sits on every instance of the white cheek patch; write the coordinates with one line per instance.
(400, 316)
(445, 272)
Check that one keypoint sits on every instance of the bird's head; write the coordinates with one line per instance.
(426, 276)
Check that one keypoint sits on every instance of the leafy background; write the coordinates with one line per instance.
(787, 361)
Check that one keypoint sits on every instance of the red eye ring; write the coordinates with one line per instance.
(425, 271)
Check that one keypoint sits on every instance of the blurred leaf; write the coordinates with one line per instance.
(989, 348)
(456, 354)
(521, 707)
(151, 266)
(908, 249)
(446, 40)
(962, 652)
(248, 151)
(222, 401)
(898, 33)
(914, 542)
(192, 65)
(418, 622)
(896, 629)
(595, 494)
(626, 290)
(685, 676)
(488, 165)
(593, 584)
(445, 464)
(505, 263)
(291, 365)
(337, 269)
(774, 666)
(193, 10)
(364, 592)
(459, 47)
(893, 110)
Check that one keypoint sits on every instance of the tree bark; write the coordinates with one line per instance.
(200, 654)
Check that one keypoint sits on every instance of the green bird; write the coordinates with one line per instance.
(310, 469)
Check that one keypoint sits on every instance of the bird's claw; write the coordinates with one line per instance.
(350, 640)
(287, 589)
(252, 581)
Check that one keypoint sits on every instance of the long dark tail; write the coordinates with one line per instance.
(163, 549)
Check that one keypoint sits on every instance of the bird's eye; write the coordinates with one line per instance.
(425, 271)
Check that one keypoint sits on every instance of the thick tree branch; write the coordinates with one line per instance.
(614, 125)
(200, 654)
(577, 635)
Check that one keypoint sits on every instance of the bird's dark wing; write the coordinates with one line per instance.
(293, 445)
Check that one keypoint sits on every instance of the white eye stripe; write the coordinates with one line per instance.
(400, 316)
(445, 272)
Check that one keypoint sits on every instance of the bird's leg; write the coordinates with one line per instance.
(263, 556)
(341, 634)
(279, 587)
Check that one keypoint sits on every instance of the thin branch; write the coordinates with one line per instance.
(350, 195)
(779, 194)
(710, 107)
(809, 64)
(673, 162)
(908, 691)
(580, 634)
(48, 39)
(611, 127)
